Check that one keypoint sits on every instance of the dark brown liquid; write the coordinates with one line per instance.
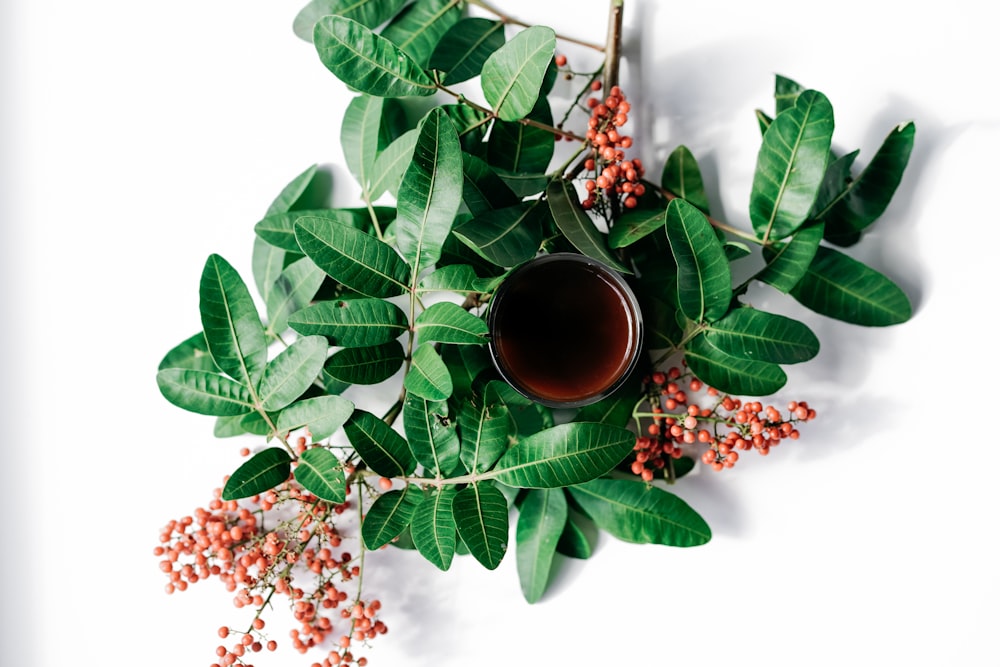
(563, 330)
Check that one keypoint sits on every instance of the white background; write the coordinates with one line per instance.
(139, 137)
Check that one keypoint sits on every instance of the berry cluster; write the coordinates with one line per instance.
(725, 426)
(228, 540)
(614, 176)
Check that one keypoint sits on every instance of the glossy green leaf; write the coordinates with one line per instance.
(483, 426)
(615, 409)
(845, 289)
(682, 176)
(506, 236)
(391, 164)
(204, 392)
(731, 374)
(787, 262)
(577, 226)
(418, 28)
(483, 190)
(512, 76)
(289, 374)
(428, 376)
(749, 333)
(835, 182)
(463, 50)
(321, 415)
(359, 137)
(352, 322)
(262, 472)
(791, 165)
(433, 529)
(293, 191)
(563, 455)
(518, 148)
(866, 197)
(267, 262)
(541, 520)
(471, 125)
(390, 515)
(278, 229)
(447, 322)
(431, 433)
(366, 365)
(228, 427)
(481, 516)
(369, 13)
(458, 278)
(524, 185)
(255, 424)
(785, 93)
(704, 280)
(430, 193)
(367, 62)
(634, 511)
(352, 257)
(465, 364)
(573, 543)
(381, 448)
(293, 290)
(322, 474)
(232, 327)
(191, 354)
(635, 225)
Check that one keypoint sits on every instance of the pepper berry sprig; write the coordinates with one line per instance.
(616, 181)
(678, 424)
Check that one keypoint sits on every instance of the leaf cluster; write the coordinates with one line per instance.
(395, 293)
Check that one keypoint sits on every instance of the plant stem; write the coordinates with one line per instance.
(612, 52)
(491, 115)
(510, 20)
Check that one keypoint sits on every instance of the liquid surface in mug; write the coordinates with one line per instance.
(564, 331)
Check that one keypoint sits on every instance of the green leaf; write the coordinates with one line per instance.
(352, 257)
(289, 374)
(262, 472)
(867, 197)
(430, 193)
(505, 236)
(483, 426)
(788, 262)
(481, 516)
(366, 365)
(845, 289)
(391, 164)
(419, 28)
(293, 290)
(634, 511)
(635, 225)
(390, 515)
(359, 137)
(381, 448)
(278, 229)
(731, 374)
(835, 182)
(369, 13)
(448, 322)
(433, 529)
(682, 177)
(790, 166)
(233, 331)
(785, 92)
(512, 76)
(431, 434)
(749, 333)
(267, 263)
(573, 542)
(704, 281)
(458, 278)
(191, 354)
(517, 148)
(228, 427)
(577, 226)
(463, 50)
(321, 415)
(293, 192)
(615, 409)
(483, 190)
(352, 322)
(204, 392)
(321, 474)
(367, 62)
(540, 522)
(563, 455)
(428, 376)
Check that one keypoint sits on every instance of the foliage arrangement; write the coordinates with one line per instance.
(395, 295)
